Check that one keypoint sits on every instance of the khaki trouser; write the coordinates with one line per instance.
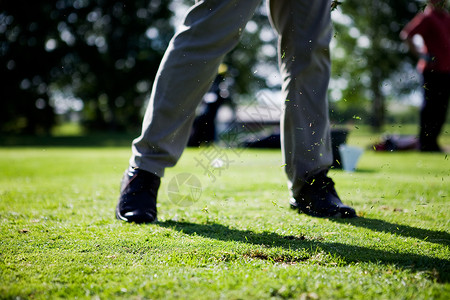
(211, 29)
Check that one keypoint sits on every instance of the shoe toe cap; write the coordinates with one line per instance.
(347, 212)
(137, 216)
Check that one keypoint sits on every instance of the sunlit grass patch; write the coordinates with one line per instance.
(239, 240)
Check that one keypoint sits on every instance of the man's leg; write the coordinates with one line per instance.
(211, 29)
(434, 109)
(305, 32)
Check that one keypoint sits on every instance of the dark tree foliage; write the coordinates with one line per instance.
(25, 66)
(105, 52)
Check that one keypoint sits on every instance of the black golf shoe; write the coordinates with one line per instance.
(319, 198)
(138, 192)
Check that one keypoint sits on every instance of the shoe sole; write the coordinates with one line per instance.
(338, 215)
(136, 219)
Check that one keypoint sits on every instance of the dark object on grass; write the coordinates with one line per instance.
(397, 143)
(338, 137)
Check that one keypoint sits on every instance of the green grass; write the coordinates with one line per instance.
(240, 240)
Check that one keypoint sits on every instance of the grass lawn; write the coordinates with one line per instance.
(238, 239)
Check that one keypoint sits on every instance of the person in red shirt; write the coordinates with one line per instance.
(433, 25)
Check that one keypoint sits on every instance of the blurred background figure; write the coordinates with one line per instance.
(204, 128)
(433, 25)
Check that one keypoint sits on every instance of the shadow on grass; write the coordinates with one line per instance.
(438, 268)
(437, 237)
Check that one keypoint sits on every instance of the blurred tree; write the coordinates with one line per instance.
(26, 66)
(369, 59)
(103, 52)
(106, 53)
